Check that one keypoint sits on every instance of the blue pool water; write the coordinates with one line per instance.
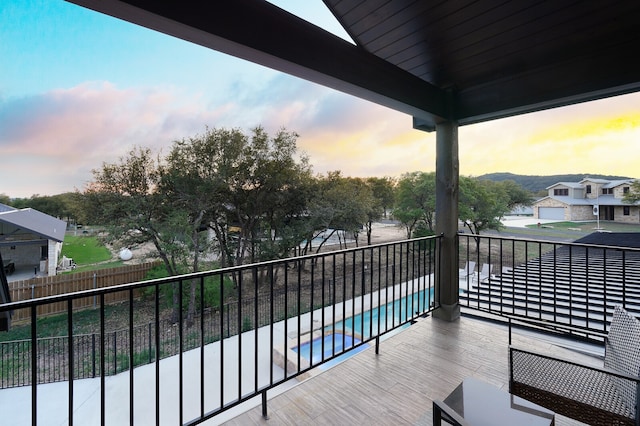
(385, 317)
(340, 336)
(333, 344)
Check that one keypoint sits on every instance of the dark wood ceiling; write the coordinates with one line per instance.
(461, 60)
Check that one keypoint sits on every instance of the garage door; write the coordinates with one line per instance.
(556, 213)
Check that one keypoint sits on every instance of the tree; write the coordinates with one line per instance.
(517, 195)
(482, 204)
(251, 190)
(383, 190)
(633, 196)
(382, 197)
(123, 196)
(62, 206)
(416, 201)
(344, 204)
(274, 194)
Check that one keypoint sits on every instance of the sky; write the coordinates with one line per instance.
(78, 88)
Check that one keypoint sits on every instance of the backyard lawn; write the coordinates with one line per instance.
(85, 250)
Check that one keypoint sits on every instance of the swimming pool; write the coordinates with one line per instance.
(325, 347)
(384, 318)
(345, 335)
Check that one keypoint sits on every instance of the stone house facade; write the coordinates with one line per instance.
(589, 199)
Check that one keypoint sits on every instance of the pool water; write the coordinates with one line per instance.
(339, 337)
(325, 347)
(384, 318)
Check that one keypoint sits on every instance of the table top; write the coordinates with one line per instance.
(480, 403)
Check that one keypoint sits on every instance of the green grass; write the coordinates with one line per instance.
(114, 264)
(85, 250)
(84, 322)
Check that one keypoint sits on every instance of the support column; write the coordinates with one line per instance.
(447, 189)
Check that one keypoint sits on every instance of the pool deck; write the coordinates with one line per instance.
(397, 386)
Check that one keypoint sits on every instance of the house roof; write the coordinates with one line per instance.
(604, 182)
(35, 222)
(615, 183)
(466, 60)
(594, 180)
(6, 208)
(574, 185)
(618, 239)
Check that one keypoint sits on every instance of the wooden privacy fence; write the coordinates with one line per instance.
(69, 283)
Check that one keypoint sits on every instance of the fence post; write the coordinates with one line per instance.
(115, 352)
(93, 354)
(95, 283)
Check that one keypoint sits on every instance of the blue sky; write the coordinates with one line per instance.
(78, 88)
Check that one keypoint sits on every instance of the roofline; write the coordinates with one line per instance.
(52, 221)
(260, 32)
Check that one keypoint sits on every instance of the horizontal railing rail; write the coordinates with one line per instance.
(574, 285)
(237, 332)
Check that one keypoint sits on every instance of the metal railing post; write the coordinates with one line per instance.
(265, 415)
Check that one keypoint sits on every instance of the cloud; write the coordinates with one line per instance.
(59, 136)
(337, 131)
(50, 142)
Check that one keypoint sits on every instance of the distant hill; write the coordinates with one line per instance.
(539, 183)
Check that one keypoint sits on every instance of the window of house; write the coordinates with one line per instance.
(625, 190)
(606, 191)
(625, 210)
(588, 189)
(561, 191)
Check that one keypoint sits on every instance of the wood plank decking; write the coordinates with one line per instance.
(397, 386)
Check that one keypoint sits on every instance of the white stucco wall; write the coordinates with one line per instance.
(54, 250)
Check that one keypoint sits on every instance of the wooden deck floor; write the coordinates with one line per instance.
(397, 386)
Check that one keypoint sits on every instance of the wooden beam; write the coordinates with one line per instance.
(260, 32)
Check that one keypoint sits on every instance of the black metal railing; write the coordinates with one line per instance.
(253, 327)
(571, 285)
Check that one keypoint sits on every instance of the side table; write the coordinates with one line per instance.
(478, 403)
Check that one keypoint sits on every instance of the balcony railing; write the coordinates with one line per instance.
(571, 286)
(253, 328)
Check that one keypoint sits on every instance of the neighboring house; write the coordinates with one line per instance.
(30, 239)
(580, 201)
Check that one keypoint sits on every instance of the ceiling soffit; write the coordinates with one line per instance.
(461, 60)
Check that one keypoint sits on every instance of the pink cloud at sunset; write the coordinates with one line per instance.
(63, 134)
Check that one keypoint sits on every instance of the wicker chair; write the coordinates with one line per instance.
(596, 396)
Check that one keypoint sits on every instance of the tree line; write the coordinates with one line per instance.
(241, 198)
(257, 199)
